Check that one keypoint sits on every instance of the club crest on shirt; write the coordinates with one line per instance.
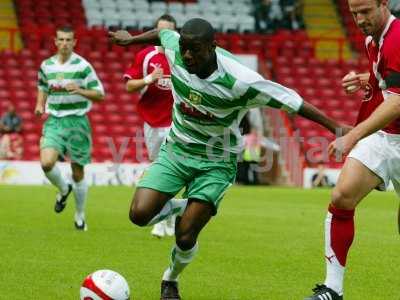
(368, 92)
(194, 97)
(59, 76)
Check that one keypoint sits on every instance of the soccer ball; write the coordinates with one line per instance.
(104, 285)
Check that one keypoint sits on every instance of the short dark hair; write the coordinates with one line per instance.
(200, 28)
(65, 28)
(166, 17)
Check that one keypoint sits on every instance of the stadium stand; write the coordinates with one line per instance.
(291, 56)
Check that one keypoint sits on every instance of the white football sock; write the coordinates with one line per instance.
(80, 193)
(172, 207)
(55, 177)
(179, 260)
(334, 270)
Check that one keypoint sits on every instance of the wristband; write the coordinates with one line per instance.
(148, 79)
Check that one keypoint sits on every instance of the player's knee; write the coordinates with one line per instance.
(47, 165)
(139, 217)
(342, 199)
(185, 241)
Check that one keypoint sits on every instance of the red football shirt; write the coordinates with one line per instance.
(155, 105)
(384, 62)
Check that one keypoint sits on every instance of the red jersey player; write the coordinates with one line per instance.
(150, 75)
(374, 144)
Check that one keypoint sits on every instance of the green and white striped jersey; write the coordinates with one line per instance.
(52, 78)
(207, 112)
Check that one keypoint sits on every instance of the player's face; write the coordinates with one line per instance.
(196, 53)
(65, 42)
(163, 24)
(369, 15)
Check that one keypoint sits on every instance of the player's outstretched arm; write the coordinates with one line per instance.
(135, 85)
(387, 111)
(124, 38)
(312, 113)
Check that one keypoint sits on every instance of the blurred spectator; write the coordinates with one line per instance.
(253, 134)
(247, 168)
(320, 179)
(11, 146)
(10, 141)
(10, 121)
(293, 14)
(394, 6)
(268, 15)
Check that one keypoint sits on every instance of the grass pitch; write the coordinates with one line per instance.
(264, 244)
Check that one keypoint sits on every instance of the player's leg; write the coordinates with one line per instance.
(80, 189)
(152, 201)
(396, 185)
(153, 144)
(154, 137)
(195, 217)
(147, 203)
(398, 219)
(77, 134)
(354, 183)
(48, 157)
(210, 182)
(366, 168)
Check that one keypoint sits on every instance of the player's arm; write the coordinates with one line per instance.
(135, 85)
(124, 38)
(386, 112)
(40, 102)
(43, 89)
(278, 96)
(310, 112)
(91, 94)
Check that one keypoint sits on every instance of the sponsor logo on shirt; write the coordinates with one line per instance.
(164, 83)
(193, 112)
(57, 88)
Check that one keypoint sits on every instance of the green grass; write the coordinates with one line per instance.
(265, 243)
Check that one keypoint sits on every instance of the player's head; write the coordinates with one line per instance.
(166, 22)
(370, 15)
(65, 40)
(197, 45)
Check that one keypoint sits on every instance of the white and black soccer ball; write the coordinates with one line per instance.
(104, 285)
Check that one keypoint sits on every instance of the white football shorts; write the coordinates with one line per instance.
(153, 138)
(380, 152)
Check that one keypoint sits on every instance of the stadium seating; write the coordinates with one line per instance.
(225, 15)
(295, 66)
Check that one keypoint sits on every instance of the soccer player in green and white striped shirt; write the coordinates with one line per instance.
(67, 86)
(212, 92)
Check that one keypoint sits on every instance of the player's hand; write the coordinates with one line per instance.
(157, 73)
(351, 83)
(342, 145)
(120, 37)
(344, 129)
(73, 88)
(39, 110)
